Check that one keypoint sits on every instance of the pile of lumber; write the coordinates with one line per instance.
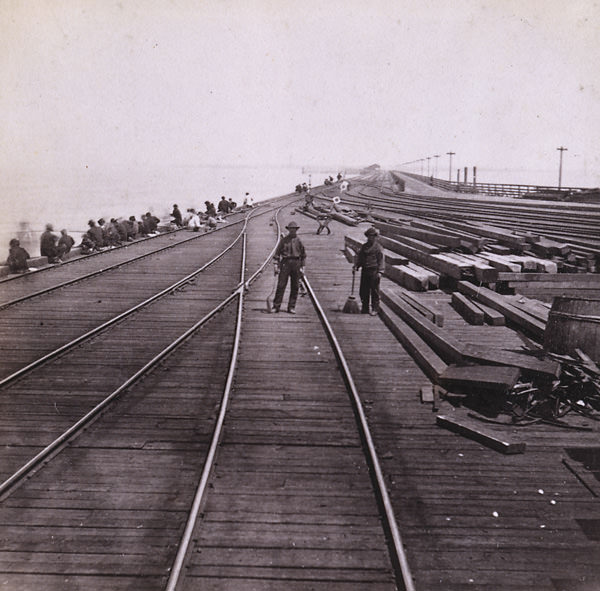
(501, 260)
(482, 246)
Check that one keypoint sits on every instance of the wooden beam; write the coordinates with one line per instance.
(545, 247)
(425, 357)
(445, 345)
(478, 241)
(500, 262)
(483, 271)
(528, 363)
(415, 243)
(491, 316)
(426, 392)
(470, 378)
(407, 277)
(476, 431)
(498, 302)
(471, 313)
(393, 230)
(432, 314)
(439, 340)
(570, 278)
(503, 236)
(436, 262)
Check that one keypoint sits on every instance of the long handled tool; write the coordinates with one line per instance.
(270, 296)
(351, 306)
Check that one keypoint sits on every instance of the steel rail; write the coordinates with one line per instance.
(104, 269)
(86, 420)
(258, 210)
(269, 257)
(398, 547)
(486, 212)
(582, 237)
(182, 551)
(77, 341)
(68, 435)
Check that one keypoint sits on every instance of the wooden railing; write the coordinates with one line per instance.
(504, 189)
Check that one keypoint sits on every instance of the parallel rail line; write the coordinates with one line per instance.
(52, 450)
(87, 419)
(576, 228)
(114, 266)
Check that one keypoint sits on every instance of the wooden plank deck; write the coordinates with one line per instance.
(291, 503)
(447, 489)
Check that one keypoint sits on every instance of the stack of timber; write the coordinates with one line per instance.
(485, 246)
(486, 389)
(497, 276)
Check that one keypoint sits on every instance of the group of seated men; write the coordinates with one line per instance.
(116, 232)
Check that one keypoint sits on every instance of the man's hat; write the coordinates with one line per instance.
(292, 225)
(371, 232)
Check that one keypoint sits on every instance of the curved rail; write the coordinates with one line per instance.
(57, 444)
(86, 336)
(259, 210)
(106, 269)
(186, 538)
(381, 489)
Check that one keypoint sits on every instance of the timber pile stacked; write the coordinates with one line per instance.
(494, 276)
(423, 255)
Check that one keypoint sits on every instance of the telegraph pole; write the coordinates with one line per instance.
(561, 150)
(428, 159)
(450, 167)
(436, 156)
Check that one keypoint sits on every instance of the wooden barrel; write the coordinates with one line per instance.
(574, 323)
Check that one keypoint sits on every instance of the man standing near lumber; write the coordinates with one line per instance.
(370, 259)
(291, 256)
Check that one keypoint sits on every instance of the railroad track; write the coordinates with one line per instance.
(108, 462)
(33, 326)
(576, 224)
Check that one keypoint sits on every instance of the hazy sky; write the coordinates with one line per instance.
(146, 84)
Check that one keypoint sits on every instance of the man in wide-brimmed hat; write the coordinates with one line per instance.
(291, 256)
(370, 259)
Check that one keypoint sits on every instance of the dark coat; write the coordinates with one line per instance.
(17, 259)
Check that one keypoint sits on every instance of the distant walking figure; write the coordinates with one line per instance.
(291, 256)
(370, 259)
(323, 219)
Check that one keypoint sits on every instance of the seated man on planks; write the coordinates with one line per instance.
(17, 257)
(65, 243)
(48, 247)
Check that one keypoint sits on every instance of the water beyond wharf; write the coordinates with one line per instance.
(291, 502)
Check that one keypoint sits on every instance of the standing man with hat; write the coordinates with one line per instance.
(290, 256)
(370, 258)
